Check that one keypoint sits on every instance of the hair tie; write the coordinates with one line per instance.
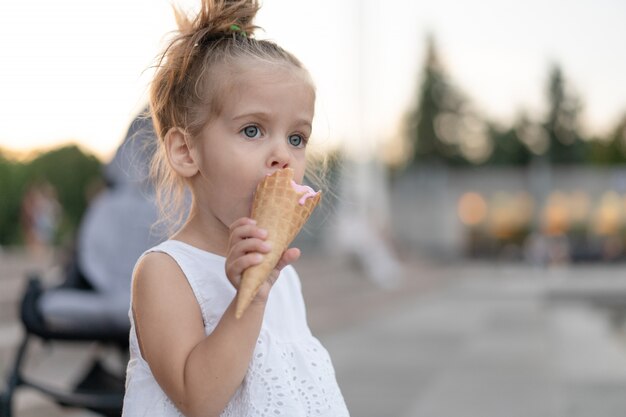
(237, 29)
(214, 37)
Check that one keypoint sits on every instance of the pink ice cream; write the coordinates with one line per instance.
(308, 192)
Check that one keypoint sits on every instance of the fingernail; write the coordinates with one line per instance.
(258, 257)
(266, 246)
(263, 232)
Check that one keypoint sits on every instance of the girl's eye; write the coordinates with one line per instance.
(251, 131)
(296, 140)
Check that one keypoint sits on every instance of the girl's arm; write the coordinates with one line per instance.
(199, 373)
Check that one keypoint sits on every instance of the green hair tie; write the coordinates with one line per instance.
(237, 28)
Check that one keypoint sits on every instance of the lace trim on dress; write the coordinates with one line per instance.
(283, 380)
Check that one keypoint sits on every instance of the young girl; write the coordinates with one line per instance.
(228, 110)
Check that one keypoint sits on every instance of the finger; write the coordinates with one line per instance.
(289, 256)
(247, 231)
(245, 246)
(240, 222)
(235, 268)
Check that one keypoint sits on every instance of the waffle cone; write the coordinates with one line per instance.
(277, 210)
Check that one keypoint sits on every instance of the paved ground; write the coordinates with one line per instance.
(485, 343)
(471, 340)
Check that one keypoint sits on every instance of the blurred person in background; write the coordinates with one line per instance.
(40, 216)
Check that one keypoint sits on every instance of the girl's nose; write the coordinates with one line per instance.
(279, 158)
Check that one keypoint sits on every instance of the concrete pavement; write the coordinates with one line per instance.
(470, 339)
(485, 343)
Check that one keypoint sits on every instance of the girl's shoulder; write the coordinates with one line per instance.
(176, 248)
(172, 260)
(201, 271)
(186, 256)
(152, 267)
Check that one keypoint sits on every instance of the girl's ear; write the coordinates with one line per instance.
(179, 154)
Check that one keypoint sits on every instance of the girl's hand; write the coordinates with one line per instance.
(245, 248)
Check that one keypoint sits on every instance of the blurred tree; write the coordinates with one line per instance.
(444, 129)
(610, 150)
(618, 137)
(566, 146)
(604, 152)
(11, 191)
(508, 148)
(433, 125)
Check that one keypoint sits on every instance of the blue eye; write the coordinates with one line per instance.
(296, 140)
(251, 131)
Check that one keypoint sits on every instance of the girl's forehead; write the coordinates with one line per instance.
(234, 82)
(252, 71)
(254, 82)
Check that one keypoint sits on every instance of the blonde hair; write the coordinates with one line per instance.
(187, 82)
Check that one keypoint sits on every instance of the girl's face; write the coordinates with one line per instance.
(264, 125)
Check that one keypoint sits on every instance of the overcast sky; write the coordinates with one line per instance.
(78, 70)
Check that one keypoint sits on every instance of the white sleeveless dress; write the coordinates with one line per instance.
(290, 373)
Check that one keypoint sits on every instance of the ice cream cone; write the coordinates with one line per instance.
(276, 208)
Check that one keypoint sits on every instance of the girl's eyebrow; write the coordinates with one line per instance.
(304, 123)
(258, 115)
(266, 116)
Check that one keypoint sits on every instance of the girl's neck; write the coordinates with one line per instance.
(208, 234)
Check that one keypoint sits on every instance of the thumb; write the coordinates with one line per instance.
(289, 256)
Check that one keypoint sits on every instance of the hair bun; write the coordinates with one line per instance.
(217, 17)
